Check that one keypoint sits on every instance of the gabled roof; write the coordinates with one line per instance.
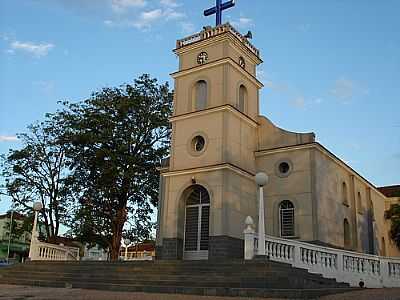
(390, 191)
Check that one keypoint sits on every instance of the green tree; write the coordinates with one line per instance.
(394, 215)
(39, 172)
(116, 139)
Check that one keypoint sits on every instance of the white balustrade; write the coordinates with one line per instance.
(50, 252)
(344, 266)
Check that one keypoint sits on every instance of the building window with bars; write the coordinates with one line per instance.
(286, 217)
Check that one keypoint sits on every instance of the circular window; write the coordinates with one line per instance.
(198, 143)
(283, 168)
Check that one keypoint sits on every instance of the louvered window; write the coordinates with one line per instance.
(197, 220)
(286, 215)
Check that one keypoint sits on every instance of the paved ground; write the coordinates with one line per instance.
(10, 292)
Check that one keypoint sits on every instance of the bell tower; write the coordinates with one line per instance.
(207, 187)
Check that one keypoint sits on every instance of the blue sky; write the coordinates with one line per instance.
(332, 67)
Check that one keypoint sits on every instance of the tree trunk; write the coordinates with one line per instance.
(117, 227)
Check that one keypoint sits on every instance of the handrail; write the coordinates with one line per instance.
(52, 252)
(357, 269)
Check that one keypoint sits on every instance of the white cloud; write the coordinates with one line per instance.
(121, 6)
(38, 50)
(108, 23)
(4, 37)
(147, 18)
(318, 101)
(299, 102)
(304, 28)
(344, 89)
(10, 51)
(243, 23)
(8, 138)
(169, 3)
(46, 86)
(171, 14)
(187, 27)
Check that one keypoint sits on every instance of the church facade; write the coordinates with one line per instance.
(220, 141)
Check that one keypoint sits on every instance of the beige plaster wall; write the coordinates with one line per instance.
(296, 188)
(235, 78)
(271, 136)
(332, 211)
(185, 89)
(232, 199)
(239, 201)
(240, 141)
(215, 50)
(234, 53)
(210, 127)
(173, 216)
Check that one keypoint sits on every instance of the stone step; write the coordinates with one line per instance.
(177, 280)
(201, 278)
(291, 293)
(151, 272)
(133, 271)
(259, 281)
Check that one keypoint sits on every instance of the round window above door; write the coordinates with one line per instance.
(197, 144)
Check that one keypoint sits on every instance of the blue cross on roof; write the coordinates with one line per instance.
(218, 9)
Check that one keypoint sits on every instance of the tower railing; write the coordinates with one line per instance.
(214, 31)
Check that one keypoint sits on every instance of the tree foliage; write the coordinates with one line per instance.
(39, 172)
(115, 140)
(394, 215)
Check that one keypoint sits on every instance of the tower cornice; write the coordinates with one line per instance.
(225, 107)
(219, 62)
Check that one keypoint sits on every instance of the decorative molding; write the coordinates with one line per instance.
(225, 107)
(225, 166)
(216, 63)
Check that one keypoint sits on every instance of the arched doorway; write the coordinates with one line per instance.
(197, 216)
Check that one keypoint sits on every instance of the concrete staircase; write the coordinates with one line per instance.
(226, 278)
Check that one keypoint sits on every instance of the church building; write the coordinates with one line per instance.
(220, 141)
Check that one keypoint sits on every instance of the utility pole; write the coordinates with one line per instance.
(10, 234)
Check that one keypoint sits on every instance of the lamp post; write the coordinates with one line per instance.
(37, 206)
(261, 180)
(127, 243)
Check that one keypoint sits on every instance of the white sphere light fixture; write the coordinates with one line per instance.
(127, 242)
(261, 179)
(37, 206)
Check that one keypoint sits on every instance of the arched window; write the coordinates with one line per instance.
(344, 194)
(286, 217)
(383, 251)
(359, 204)
(346, 234)
(242, 98)
(201, 95)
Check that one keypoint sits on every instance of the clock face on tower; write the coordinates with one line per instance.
(202, 58)
(242, 62)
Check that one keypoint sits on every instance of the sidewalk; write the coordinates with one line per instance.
(11, 292)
